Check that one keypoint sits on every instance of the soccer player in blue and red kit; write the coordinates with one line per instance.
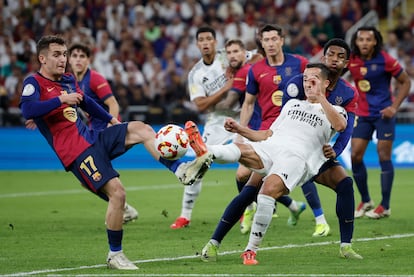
(372, 70)
(336, 54)
(93, 84)
(51, 97)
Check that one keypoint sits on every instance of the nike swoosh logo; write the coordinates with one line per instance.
(50, 89)
(387, 135)
(263, 74)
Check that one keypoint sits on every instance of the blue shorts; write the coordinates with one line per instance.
(93, 167)
(365, 127)
(328, 164)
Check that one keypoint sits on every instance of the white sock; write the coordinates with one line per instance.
(189, 197)
(293, 206)
(261, 221)
(214, 242)
(228, 153)
(320, 219)
(250, 207)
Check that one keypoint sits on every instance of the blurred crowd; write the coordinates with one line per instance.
(146, 48)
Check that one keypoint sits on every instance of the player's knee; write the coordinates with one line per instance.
(345, 186)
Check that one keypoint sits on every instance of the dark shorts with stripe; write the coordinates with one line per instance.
(365, 127)
(93, 167)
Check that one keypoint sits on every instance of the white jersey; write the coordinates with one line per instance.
(294, 151)
(206, 80)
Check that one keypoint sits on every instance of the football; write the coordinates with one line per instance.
(171, 141)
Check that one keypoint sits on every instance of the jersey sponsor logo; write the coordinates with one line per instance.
(28, 90)
(364, 85)
(277, 98)
(70, 114)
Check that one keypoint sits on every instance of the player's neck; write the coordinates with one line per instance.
(275, 60)
(208, 59)
(49, 75)
(79, 75)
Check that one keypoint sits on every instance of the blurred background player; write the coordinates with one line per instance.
(97, 87)
(336, 54)
(372, 70)
(207, 83)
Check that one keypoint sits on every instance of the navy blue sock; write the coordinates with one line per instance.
(234, 211)
(285, 200)
(312, 197)
(360, 176)
(345, 207)
(170, 164)
(115, 239)
(387, 177)
(240, 185)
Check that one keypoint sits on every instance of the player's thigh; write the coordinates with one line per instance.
(385, 136)
(332, 176)
(138, 132)
(243, 173)
(249, 157)
(274, 186)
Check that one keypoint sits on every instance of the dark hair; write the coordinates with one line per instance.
(80, 46)
(338, 42)
(45, 41)
(206, 29)
(271, 27)
(325, 71)
(235, 41)
(377, 35)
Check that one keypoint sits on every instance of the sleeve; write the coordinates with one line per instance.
(194, 86)
(95, 110)
(294, 89)
(344, 137)
(30, 103)
(100, 86)
(251, 83)
(391, 65)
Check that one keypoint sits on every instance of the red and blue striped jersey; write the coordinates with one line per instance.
(268, 83)
(373, 80)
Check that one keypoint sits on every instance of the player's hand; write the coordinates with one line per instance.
(71, 98)
(30, 124)
(231, 125)
(328, 151)
(388, 112)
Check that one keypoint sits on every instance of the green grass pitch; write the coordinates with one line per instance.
(50, 225)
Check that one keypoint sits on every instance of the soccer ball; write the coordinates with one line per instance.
(171, 141)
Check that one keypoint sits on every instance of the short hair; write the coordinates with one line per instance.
(45, 41)
(337, 42)
(235, 41)
(377, 35)
(206, 29)
(80, 46)
(271, 27)
(325, 71)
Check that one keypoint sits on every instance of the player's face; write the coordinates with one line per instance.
(335, 58)
(53, 61)
(272, 43)
(235, 55)
(78, 61)
(365, 41)
(206, 43)
(313, 83)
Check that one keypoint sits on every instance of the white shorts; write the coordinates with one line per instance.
(215, 134)
(292, 169)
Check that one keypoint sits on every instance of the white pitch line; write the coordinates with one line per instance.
(78, 191)
(288, 246)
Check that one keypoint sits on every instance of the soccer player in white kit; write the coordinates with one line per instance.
(207, 84)
(290, 152)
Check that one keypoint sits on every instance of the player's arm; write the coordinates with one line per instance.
(232, 126)
(403, 86)
(203, 103)
(337, 120)
(91, 107)
(247, 109)
(228, 102)
(112, 105)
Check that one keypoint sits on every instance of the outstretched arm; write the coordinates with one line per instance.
(232, 126)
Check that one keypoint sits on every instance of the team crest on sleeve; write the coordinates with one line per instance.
(28, 90)
(292, 90)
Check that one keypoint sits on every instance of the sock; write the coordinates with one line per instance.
(312, 197)
(115, 240)
(172, 165)
(345, 207)
(320, 219)
(261, 221)
(240, 185)
(387, 177)
(234, 211)
(360, 176)
(287, 201)
(228, 153)
(189, 197)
